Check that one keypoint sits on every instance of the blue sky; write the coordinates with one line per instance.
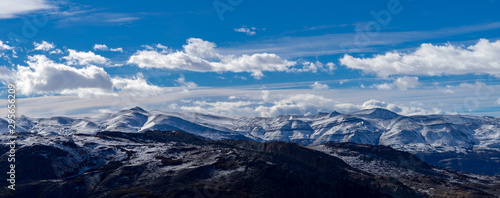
(251, 58)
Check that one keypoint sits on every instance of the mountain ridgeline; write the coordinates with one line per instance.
(452, 141)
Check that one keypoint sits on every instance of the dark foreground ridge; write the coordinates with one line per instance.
(178, 164)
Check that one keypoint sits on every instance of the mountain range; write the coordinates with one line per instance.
(441, 133)
(178, 164)
(453, 141)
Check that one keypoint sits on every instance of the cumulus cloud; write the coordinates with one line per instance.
(433, 60)
(14, 8)
(104, 47)
(42, 75)
(202, 56)
(383, 86)
(84, 58)
(100, 47)
(314, 67)
(406, 82)
(200, 48)
(56, 51)
(4, 46)
(136, 86)
(319, 86)
(248, 31)
(182, 80)
(402, 83)
(44, 46)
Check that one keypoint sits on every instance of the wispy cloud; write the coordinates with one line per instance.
(16, 8)
(245, 101)
(327, 44)
(104, 47)
(250, 31)
(93, 17)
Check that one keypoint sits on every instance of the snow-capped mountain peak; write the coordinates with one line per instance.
(377, 126)
(376, 113)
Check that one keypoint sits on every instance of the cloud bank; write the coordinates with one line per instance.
(295, 104)
(202, 56)
(433, 60)
(43, 75)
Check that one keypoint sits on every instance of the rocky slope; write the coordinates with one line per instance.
(178, 164)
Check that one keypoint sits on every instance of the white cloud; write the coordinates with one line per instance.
(498, 101)
(383, 86)
(404, 110)
(84, 58)
(56, 51)
(95, 17)
(44, 46)
(100, 47)
(14, 8)
(249, 31)
(6, 75)
(137, 86)
(266, 95)
(341, 82)
(448, 89)
(406, 82)
(201, 56)
(402, 83)
(327, 44)
(433, 60)
(471, 86)
(331, 66)
(104, 47)
(45, 76)
(4, 46)
(464, 100)
(319, 86)
(182, 80)
(478, 88)
(302, 104)
(199, 48)
(177, 60)
(116, 49)
(314, 67)
(295, 104)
